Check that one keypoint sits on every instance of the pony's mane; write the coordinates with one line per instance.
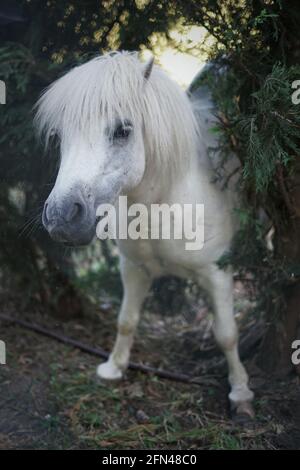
(113, 86)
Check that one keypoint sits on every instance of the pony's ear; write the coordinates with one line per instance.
(148, 68)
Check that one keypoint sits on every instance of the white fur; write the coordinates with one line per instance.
(113, 85)
(166, 161)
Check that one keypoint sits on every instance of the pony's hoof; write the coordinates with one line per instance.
(109, 371)
(242, 412)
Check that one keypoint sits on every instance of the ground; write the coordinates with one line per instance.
(50, 397)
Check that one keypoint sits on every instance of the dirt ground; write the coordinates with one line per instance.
(51, 399)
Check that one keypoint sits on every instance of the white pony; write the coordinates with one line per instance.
(125, 128)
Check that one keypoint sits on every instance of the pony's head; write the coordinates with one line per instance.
(113, 115)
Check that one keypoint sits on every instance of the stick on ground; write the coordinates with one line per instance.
(99, 352)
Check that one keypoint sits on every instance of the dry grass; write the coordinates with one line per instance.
(51, 399)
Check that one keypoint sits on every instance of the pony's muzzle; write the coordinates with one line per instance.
(68, 221)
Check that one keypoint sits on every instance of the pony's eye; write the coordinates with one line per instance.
(121, 132)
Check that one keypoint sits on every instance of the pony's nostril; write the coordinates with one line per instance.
(75, 212)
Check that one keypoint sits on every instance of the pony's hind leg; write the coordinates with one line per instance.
(136, 283)
(220, 286)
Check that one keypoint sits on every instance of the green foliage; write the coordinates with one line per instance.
(254, 63)
(271, 133)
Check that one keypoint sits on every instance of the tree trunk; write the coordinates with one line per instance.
(276, 351)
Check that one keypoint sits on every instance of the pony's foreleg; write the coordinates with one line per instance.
(136, 283)
(220, 286)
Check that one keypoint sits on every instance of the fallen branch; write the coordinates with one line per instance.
(99, 352)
